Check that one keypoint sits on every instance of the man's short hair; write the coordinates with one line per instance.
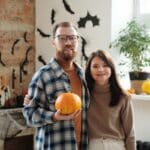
(63, 24)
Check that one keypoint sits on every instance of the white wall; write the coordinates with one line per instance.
(97, 37)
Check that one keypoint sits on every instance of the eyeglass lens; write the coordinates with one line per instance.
(64, 38)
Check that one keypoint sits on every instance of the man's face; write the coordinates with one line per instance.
(66, 43)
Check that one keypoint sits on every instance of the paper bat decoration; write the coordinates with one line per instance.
(42, 33)
(25, 37)
(1, 62)
(40, 58)
(20, 73)
(13, 47)
(13, 78)
(83, 48)
(26, 56)
(53, 12)
(67, 7)
(25, 61)
(88, 17)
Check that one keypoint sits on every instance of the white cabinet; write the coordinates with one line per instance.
(141, 106)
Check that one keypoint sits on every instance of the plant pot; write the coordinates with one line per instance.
(137, 79)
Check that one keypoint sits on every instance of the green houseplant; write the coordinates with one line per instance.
(134, 42)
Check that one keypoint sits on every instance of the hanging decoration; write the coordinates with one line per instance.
(53, 13)
(67, 7)
(83, 49)
(88, 17)
(13, 79)
(25, 37)
(40, 59)
(25, 61)
(13, 46)
(1, 62)
(43, 34)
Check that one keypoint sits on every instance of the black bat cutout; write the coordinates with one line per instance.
(67, 7)
(25, 61)
(42, 33)
(40, 58)
(25, 37)
(13, 78)
(1, 62)
(20, 73)
(53, 12)
(88, 17)
(13, 47)
(83, 49)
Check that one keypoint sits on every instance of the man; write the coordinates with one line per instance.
(54, 130)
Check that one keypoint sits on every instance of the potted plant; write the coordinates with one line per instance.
(134, 42)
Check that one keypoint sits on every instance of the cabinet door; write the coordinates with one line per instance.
(19, 143)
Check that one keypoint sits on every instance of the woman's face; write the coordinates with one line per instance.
(100, 71)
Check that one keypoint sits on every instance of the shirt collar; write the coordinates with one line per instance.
(59, 70)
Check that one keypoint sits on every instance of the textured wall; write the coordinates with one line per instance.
(17, 47)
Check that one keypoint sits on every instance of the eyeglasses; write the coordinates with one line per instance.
(64, 38)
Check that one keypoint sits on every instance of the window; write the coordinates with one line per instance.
(142, 11)
(144, 7)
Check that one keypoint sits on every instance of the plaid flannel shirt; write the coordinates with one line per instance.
(46, 85)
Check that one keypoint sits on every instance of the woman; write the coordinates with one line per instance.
(110, 114)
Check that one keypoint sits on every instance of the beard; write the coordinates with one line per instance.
(68, 53)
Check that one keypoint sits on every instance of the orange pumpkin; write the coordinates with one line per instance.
(146, 86)
(68, 103)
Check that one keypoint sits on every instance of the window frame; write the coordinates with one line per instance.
(142, 18)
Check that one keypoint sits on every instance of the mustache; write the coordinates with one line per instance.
(69, 46)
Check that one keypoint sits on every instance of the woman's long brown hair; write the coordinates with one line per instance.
(116, 90)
